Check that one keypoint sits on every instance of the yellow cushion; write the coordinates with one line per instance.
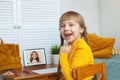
(101, 47)
(9, 57)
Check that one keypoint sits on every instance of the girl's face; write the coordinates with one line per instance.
(34, 55)
(70, 30)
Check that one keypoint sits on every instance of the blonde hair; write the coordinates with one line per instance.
(78, 18)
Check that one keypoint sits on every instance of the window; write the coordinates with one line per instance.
(31, 23)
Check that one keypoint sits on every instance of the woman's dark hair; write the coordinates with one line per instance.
(36, 58)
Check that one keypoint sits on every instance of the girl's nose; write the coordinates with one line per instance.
(66, 27)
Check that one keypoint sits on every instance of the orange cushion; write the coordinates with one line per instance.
(101, 47)
(9, 57)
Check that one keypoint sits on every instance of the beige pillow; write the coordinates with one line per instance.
(115, 51)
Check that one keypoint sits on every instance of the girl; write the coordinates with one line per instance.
(34, 57)
(77, 52)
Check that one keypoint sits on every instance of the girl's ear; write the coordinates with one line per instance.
(81, 30)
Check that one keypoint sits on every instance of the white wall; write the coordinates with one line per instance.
(87, 8)
(110, 20)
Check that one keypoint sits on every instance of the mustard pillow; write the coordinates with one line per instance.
(101, 47)
(9, 57)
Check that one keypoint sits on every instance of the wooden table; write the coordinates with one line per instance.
(26, 74)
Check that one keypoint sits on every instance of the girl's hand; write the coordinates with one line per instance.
(65, 49)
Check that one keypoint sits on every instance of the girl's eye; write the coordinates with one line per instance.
(71, 25)
(62, 25)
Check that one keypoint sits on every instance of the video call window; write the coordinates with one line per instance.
(34, 57)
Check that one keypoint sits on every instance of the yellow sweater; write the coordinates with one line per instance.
(80, 55)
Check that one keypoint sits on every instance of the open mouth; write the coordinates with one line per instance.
(68, 35)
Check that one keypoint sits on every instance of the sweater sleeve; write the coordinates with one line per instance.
(65, 68)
